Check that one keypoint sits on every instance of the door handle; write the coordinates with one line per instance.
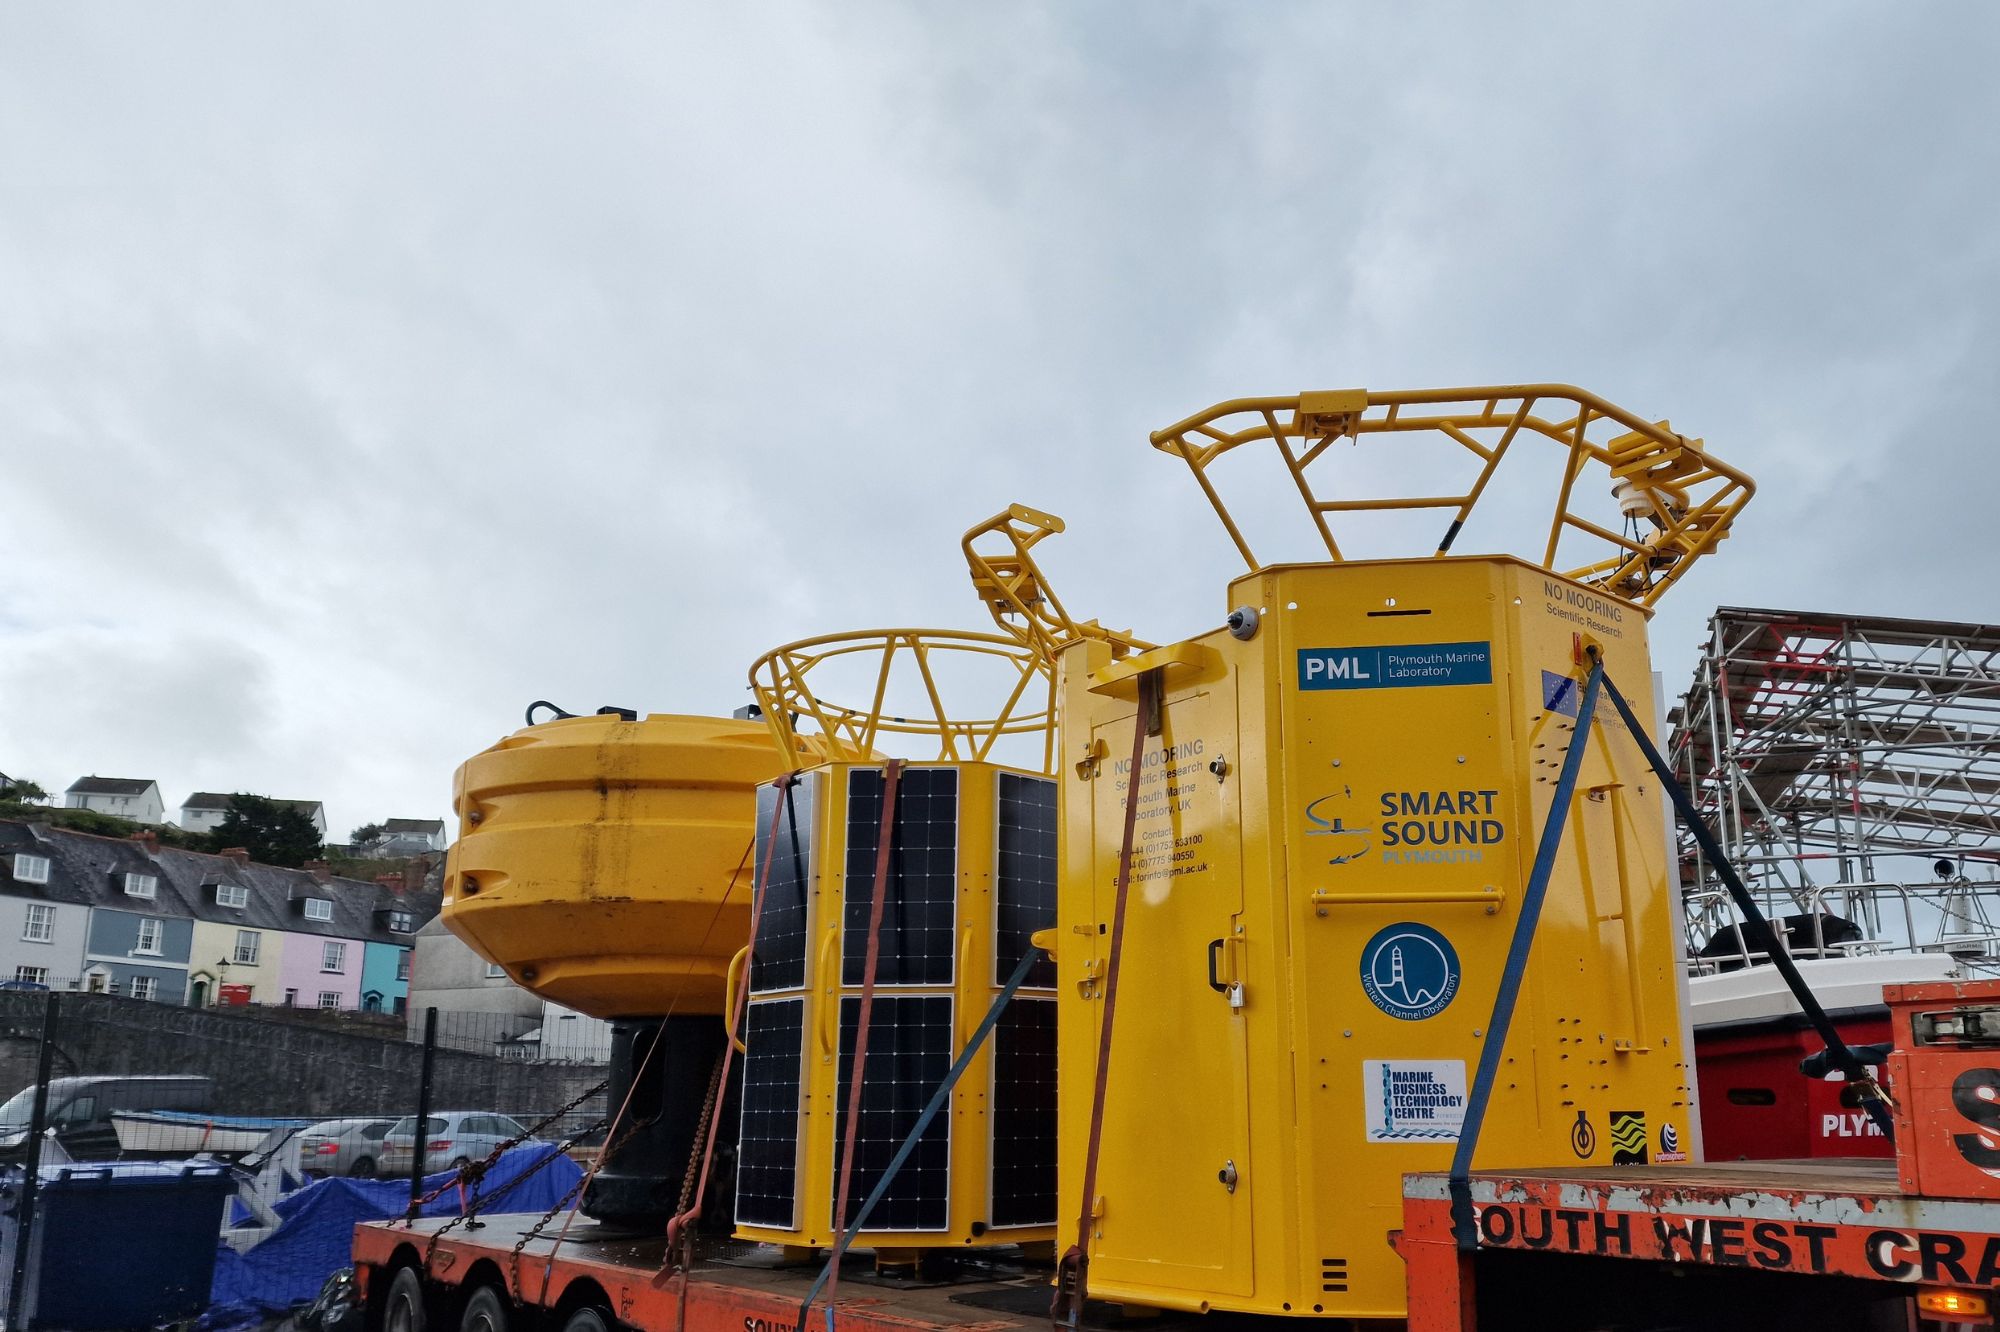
(1215, 981)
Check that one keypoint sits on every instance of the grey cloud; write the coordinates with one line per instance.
(432, 361)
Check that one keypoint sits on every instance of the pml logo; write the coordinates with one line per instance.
(1409, 971)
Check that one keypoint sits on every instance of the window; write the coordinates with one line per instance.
(31, 975)
(232, 895)
(248, 944)
(79, 1111)
(149, 935)
(142, 885)
(494, 971)
(31, 869)
(403, 965)
(145, 987)
(333, 957)
(318, 908)
(40, 926)
(329, 999)
(401, 921)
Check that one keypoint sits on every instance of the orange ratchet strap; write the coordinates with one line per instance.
(892, 774)
(1076, 1261)
(681, 1222)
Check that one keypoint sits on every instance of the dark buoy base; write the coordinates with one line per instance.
(663, 1065)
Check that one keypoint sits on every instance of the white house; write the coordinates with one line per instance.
(204, 811)
(408, 837)
(565, 1037)
(127, 797)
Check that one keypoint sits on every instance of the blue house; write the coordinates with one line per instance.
(385, 977)
(138, 953)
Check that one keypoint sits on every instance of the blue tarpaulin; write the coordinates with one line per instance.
(317, 1231)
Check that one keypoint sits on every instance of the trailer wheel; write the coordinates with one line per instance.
(403, 1308)
(587, 1319)
(486, 1311)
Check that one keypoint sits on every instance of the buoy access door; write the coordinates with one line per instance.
(1173, 1183)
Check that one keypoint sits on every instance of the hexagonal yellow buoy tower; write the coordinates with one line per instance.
(968, 878)
(1329, 809)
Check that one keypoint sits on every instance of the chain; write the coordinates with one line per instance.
(567, 1200)
(474, 1171)
(470, 1214)
(693, 1175)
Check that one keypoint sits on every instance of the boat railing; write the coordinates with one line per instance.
(1957, 926)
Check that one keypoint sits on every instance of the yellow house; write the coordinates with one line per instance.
(234, 953)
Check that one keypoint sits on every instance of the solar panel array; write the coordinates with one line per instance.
(919, 944)
(784, 915)
(913, 1036)
(767, 1151)
(1025, 892)
(1024, 1114)
(910, 1041)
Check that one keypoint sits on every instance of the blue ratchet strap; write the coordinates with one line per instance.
(1873, 1099)
(937, 1103)
(1464, 1230)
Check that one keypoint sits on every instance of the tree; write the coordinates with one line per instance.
(367, 835)
(22, 790)
(273, 834)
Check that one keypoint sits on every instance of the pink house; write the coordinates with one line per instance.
(312, 967)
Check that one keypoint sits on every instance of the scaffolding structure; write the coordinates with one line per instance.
(1850, 767)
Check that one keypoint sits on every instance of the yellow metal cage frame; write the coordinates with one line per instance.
(781, 681)
(1017, 592)
(1687, 497)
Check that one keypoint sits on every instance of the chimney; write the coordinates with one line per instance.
(320, 870)
(239, 854)
(148, 839)
(393, 882)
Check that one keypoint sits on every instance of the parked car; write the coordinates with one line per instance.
(453, 1138)
(80, 1109)
(344, 1146)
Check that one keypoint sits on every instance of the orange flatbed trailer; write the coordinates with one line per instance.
(1761, 1246)
(616, 1271)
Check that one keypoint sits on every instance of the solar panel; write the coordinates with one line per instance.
(1025, 895)
(909, 1052)
(783, 918)
(920, 913)
(1024, 1114)
(767, 1151)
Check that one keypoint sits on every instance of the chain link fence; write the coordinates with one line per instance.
(110, 1088)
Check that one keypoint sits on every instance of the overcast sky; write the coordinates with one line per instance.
(367, 372)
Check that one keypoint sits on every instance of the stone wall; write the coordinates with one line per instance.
(264, 1067)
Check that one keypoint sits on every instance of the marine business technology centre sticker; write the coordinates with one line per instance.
(1413, 1100)
(1409, 971)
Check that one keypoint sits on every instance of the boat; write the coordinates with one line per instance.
(191, 1133)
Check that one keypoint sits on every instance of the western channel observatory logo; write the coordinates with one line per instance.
(1409, 971)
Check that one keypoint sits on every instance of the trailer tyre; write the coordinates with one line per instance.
(403, 1309)
(588, 1319)
(486, 1311)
